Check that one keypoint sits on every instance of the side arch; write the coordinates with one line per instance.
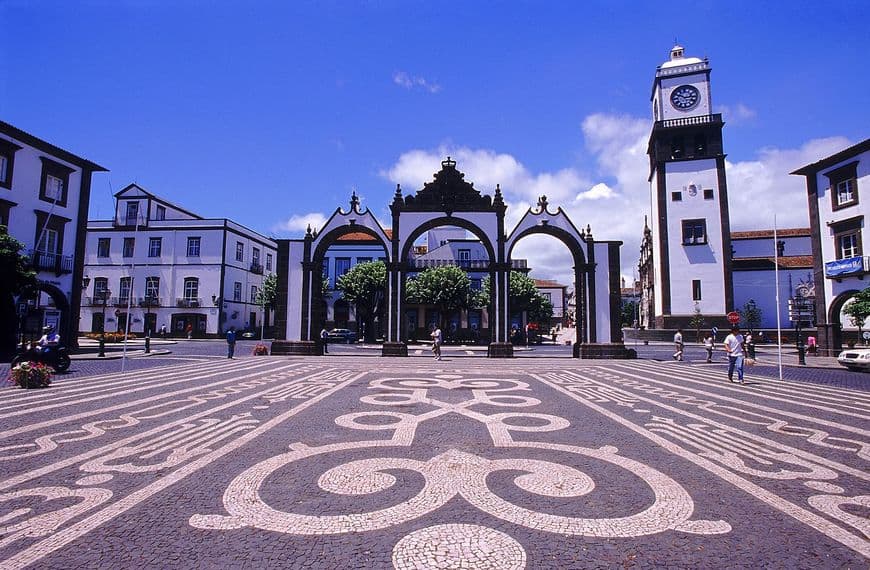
(834, 322)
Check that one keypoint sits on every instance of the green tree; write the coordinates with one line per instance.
(364, 286)
(858, 309)
(751, 315)
(268, 292)
(697, 321)
(628, 313)
(17, 279)
(524, 296)
(447, 288)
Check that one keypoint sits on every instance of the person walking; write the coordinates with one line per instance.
(189, 332)
(678, 345)
(324, 338)
(436, 342)
(163, 330)
(734, 348)
(708, 346)
(231, 342)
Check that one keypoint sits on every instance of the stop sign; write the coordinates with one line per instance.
(733, 317)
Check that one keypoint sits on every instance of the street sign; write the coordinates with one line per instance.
(733, 317)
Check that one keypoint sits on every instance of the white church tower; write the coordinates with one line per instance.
(690, 229)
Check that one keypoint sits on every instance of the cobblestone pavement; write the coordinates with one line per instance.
(411, 463)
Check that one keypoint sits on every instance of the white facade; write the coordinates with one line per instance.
(837, 193)
(187, 272)
(44, 194)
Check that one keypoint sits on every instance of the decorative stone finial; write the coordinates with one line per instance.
(354, 202)
(448, 163)
(308, 231)
(542, 204)
(498, 200)
(588, 230)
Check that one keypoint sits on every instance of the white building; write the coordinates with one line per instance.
(837, 220)
(690, 235)
(164, 265)
(44, 194)
(756, 256)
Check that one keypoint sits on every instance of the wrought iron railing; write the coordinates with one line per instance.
(257, 268)
(56, 262)
(188, 302)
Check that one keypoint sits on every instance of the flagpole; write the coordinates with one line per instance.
(130, 297)
(776, 275)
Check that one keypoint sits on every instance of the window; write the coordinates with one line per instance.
(548, 297)
(464, 255)
(191, 289)
(326, 270)
(132, 217)
(103, 247)
(7, 162)
(193, 246)
(677, 147)
(129, 244)
(696, 289)
(694, 232)
(152, 287)
(253, 293)
(475, 284)
(240, 251)
(708, 193)
(676, 196)
(700, 145)
(237, 291)
(268, 262)
(48, 241)
(848, 245)
(101, 288)
(342, 266)
(847, 237)
(845, 192)
(54, 182)
(124, 290)
(155, 244)
(160, 214)
(844, 185)
(255, 256)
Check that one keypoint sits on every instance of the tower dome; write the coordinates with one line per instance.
(679, 58)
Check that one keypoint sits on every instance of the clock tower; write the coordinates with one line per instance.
(691, 236)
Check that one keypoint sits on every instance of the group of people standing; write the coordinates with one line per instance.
(736, 346)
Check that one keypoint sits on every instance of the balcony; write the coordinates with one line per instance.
(467, 264)
(120, 301)
(715, 119)
(42, 261)
(188, 303)
(257, 268)
(148, 302)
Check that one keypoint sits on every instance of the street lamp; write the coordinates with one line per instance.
(218, 301)
(105, 294)
(148, 300)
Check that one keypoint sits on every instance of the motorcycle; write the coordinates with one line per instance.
(55, 356)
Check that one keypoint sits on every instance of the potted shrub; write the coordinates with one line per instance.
(31, 375)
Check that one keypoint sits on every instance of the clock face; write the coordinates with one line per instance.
(685, 97)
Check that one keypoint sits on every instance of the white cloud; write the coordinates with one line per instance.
(758, 189)
(408, 81)
(735, 114)
(615, 201)
(300, 223)
(597, 192)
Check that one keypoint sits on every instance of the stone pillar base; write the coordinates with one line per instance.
(608, 350)
(394, 349)
(296, 348)
(500, 350)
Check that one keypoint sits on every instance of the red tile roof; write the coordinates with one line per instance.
(785, 262)
(548, 283)
(786, 232)
(362, 236)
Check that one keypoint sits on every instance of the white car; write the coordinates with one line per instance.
(855, 358)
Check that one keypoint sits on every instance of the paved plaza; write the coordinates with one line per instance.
(355, 462)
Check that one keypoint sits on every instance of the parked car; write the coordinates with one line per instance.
(346, 336)
(250, 334)
(855, 358)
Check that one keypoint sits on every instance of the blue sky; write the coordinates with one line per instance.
(270, 113)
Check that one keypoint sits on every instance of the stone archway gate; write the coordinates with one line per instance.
(449, 200)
